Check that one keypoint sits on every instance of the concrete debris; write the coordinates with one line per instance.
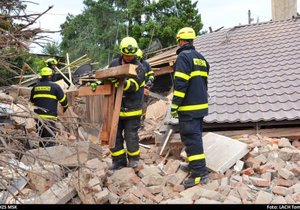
(249, 169)
(92, 183)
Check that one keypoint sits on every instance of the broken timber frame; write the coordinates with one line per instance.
(112, 99)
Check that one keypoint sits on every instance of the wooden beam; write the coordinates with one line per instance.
(290, 133)
(117, 71)
(71, 94)
(163, 70)
(100, 90)
(111, 101)
(116, 114)
(107, 114)
(166, 141)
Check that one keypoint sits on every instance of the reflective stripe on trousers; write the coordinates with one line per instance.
(131, 138)
(191, 136)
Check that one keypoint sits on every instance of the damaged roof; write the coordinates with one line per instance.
(254, 74)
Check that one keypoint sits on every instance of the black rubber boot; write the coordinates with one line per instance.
(118, 164)
(133, 163)
(192, 181)
(185, 167)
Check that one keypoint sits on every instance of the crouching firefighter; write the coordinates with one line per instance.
(45, 95)
(131, 109)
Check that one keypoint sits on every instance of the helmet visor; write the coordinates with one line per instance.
(130, 50)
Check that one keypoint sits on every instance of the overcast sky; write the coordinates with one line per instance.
(214, 13)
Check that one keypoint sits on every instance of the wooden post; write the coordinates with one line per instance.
(112, 99)
(107, 110)
(116, 113)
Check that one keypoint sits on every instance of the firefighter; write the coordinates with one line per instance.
(45, 95)
(190, 104)
(149, 72)
(131, 109)
(52, 64)
(149, 79)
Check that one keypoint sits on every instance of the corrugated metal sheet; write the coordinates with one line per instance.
(255, 72)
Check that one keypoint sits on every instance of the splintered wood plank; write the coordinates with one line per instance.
(71, 94)
(116, 114)
(221, 152)
(117, 71)
(107, 113)
(100, 90)
(290, 133)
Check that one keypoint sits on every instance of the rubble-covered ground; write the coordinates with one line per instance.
(76, 170)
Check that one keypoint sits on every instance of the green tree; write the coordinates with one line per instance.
(52, 48)
(98, 30)
(15, 33)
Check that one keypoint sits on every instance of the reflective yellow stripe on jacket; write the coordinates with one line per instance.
(193, 107)
(45, 96)
(192, 74)
(198, 73)
(64, 98)
(179, 94)
(128, 83)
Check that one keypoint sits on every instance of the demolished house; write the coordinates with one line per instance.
(251, 135)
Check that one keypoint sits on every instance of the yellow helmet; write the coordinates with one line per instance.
(186, 33)
(128, 46)
(51, 61)
(46, 71)
(139, 54)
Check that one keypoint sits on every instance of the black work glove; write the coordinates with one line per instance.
(115, 81)
(149, 83)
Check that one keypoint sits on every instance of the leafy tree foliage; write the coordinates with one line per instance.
(52, 49)
(99, 29)
(15, 33)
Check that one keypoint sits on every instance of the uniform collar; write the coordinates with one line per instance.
(185, 47)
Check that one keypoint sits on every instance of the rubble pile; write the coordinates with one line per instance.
(76, 170)
(268, 174)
